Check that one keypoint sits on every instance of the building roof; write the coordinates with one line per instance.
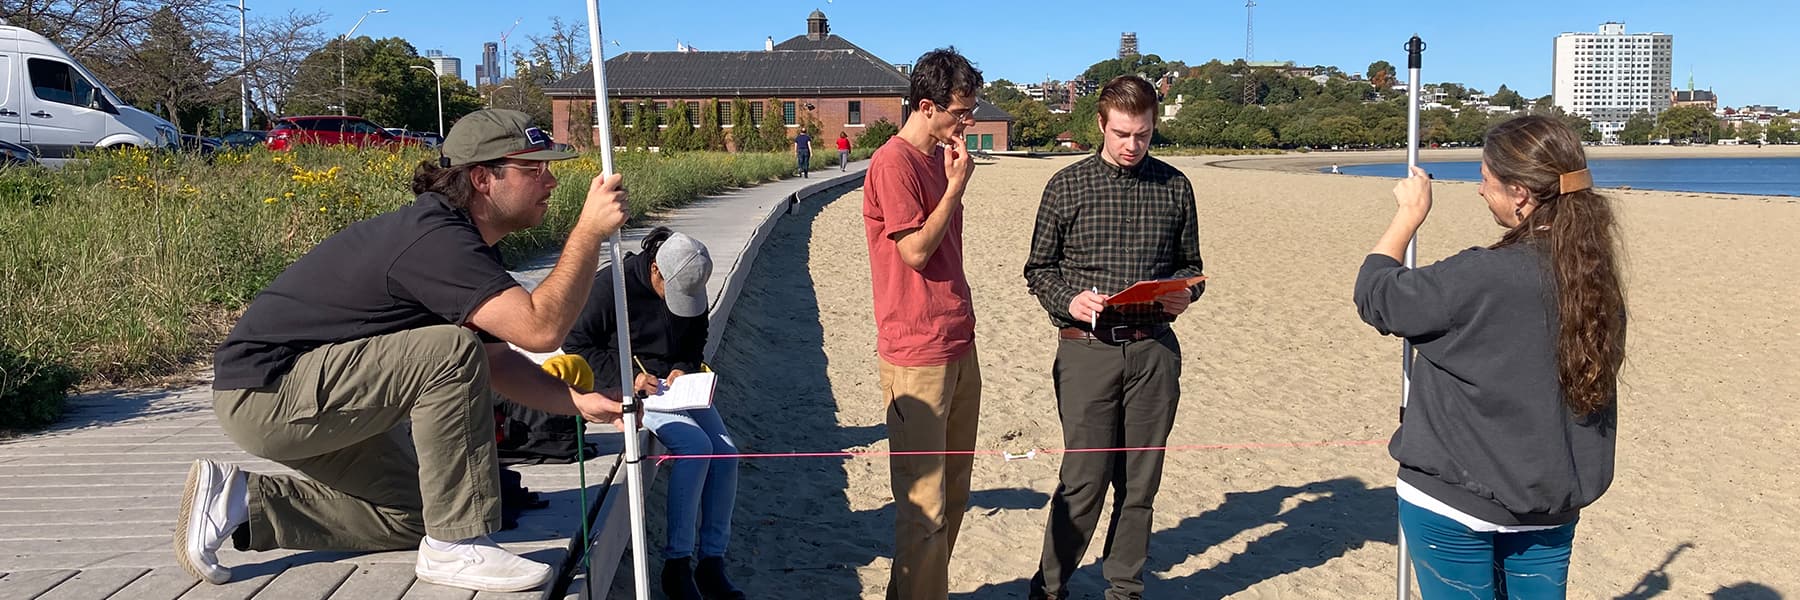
(987, 111)
(1695, 96)
(799, 66)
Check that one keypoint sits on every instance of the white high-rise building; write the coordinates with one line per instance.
(444, 65)
(1611, 75)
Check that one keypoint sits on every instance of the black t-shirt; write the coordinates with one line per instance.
(422, 265)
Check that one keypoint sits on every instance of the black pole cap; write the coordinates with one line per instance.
(1414, 48)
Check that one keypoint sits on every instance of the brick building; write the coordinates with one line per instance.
(820, 74)
(992, 124)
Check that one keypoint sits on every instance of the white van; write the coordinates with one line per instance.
(52, 105)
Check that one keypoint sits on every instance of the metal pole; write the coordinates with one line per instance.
(439, 79)
(243, 69)
(1414, 48)
(345, 42)
(634, 473)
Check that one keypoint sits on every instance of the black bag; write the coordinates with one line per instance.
(529, 436)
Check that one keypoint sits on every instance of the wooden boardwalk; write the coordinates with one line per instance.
(87, 508)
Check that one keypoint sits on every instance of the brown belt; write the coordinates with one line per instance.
(1114, 335)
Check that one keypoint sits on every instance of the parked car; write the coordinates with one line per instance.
(53, 106)
(238, 140)
(329, 130)
(14, 155)
(429, 139)
(199, 145)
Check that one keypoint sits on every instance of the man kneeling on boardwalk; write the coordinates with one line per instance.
(402, 317)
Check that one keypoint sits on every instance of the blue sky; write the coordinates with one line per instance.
(1732, 47)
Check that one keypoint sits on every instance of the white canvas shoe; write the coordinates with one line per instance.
(207, 518)
(480, 564)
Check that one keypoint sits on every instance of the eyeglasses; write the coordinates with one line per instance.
(537, 170)
(962, 114)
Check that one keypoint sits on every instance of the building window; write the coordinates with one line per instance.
(724, 107)
(787, 113)
(987, 141)
(855, 112)
(630, 112)
(972, 141)
(662, 112)
(756, 114)
(693, 110)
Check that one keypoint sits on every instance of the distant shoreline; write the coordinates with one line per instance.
(1312, 162)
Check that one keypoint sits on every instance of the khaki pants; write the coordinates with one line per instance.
(337, 417)
(930, 409)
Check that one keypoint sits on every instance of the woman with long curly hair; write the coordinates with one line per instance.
(1509, 429)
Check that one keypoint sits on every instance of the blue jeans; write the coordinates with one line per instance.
(701, 491)
(1452, 561)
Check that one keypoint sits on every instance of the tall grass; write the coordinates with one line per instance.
(132, 264)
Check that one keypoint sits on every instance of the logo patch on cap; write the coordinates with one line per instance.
(537, 137)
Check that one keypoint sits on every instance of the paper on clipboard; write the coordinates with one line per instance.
(690, 391)
(1144, 292)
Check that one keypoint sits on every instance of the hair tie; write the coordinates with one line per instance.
(1576, 181)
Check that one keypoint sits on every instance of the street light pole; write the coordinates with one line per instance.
(342, 47)
(494, 94)
(439, 78)
(243, 69)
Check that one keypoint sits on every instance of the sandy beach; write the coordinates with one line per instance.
(1703, 503)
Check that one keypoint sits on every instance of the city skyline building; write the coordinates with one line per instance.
(1610, 75)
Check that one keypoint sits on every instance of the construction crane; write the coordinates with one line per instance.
(503, 55)
(1249, 51)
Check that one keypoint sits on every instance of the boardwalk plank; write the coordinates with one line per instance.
(167, 583)
(307, 582)
(89, 584)
(28, 584)
(376, 582)
(430, 591)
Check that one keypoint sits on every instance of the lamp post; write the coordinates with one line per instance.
(342, 43)
(243, 69)
(435, 76)
(495, 93)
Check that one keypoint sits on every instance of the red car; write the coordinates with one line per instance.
(327, 130)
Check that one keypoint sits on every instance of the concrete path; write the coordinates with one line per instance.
(87, 507)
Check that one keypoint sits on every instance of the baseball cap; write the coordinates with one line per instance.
(685, 266)
(497, 133)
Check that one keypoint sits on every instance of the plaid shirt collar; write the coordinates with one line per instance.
(1117, 172)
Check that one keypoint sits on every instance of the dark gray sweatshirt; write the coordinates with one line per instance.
(1485, 429)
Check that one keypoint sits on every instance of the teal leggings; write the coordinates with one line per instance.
(1452, 561)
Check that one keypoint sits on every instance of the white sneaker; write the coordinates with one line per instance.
(480, 564)
(206, 519)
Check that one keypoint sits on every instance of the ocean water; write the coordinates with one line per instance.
(1761, 176)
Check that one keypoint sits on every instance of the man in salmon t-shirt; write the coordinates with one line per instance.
(930, 380)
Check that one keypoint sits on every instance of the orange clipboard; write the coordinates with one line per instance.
(1144, 292)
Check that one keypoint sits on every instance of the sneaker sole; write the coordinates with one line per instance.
(185, 518)
(481, 585)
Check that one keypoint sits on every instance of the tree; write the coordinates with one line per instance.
(774, 126)
(1507, 98)
(1689, 123)
(1748, 132)
(644, 131)
(1637, 129)
(876, 134)
(743, 128)
(1780, 131)
(1033, 124)
(167, 69)
(712, 137)
(1002, 93)
(1544, 102)
(1381, 75)
(679, 135)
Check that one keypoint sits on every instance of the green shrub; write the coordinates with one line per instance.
(31, 390)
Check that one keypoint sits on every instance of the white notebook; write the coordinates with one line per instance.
(690, 391)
